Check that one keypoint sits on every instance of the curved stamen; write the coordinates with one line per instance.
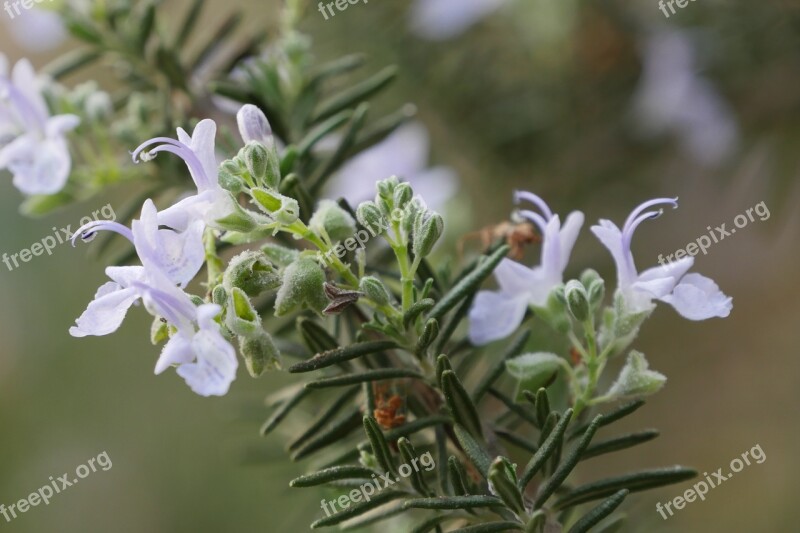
(534, 217)
(87, 230)
(627, 233)
(181, 150)
(519, 196)
(23, 106)
(647, 205)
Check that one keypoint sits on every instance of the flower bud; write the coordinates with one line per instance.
(251, 272)
(241, 317)
(253, 124)
(230, 182)
(577, 300)
(426, 233)
(370, 216)
(98, 106)
(259, 353)
(302, 286)
(330, 218)
(374, 289)
(282, 208)
(255, 158)
(219, 295)
(636, 379)
(596, 291)
(231, 166)
(402, 195)
(386, 188)
(236, 219)
(279, 255)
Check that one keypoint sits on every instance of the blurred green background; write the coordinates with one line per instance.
(595, 106)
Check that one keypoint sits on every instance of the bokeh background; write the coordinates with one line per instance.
(593, 105)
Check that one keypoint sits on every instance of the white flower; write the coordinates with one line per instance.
(496, 314)
(404, 153)
(211, 202)
(439, 20)
(694, 296)
(38, 155)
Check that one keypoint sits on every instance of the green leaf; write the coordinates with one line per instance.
(543, 407)
(545, 450)
(453, 322)
(329, 166)
(430, 524)
(355, 94)
(417, 309)
(429, 333)
(380, 448)
(566, 466)
(320, 131)
(315, 336)
(460, 404)
(476, 453)
(442, 364)
(513, 407)
(409, 454)
(339, 355)
(496, 370)
(359, 508)
(517, 441)
(283, 410)
(610, 417)
(458, 477)
(504, 486)
(469, 283)
(490, 527)
(634, 482)
(336, 67)
(371, 375)
(619, 443)
(189, 22)
(145, 26)
(453, 502)
(596, 514)
(70, 62)
(332, 474)
(324, 418)
(533, 370)
(333, 434)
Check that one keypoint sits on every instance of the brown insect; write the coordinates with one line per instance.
(388, 408)
(516, 235)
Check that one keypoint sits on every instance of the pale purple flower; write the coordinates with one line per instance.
(35, 30)
(37, 154)
(164, 253)
(253, 125)
(496, 314)
(440, 20)
(211, 202)
(693, 296)
(404, 153)
(673, 98)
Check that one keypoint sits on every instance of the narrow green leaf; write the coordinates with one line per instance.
(283, 410)
(324, 418)
(355, 94)
(442, 364)
(429, 334)
(491, 527)
(380, 448)
(453, 322)
(619, 443)
(336, 67)
(634, 482)
(70, 62)
(479, 457)
(358, 509)
(468, 283)
(430, 524)
(339, 355)
(409, 454)
(320, 131)
(545, 450)
(417, 309)
(499, 366)
(610, 417)
(145, 26)
(329, 166)
(315, 336)
(613, 526)
(453, 502)
(367, 520)
(333, 434)
(332, 474)
(189, 22)
(458, 477)
(417, 425)
(542, 406)
(505, 487)
(517, 441)
(596, 514)
(376, 132)
(371, 375)
(564, 469)
(515, 408)
(219, 38)
(460, 404)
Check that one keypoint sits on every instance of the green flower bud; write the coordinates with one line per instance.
(259, 353)
(370, 216)
(231, 167)
(588, 276)
(279, 255)
(429, 333)
(386, 188)
(402, 195)
(374, 289)
(596, 291)
(231, 182)
(426, 233)
(255, 158)
(413, 211)
(577, 300)
(241, 317)
(282, 208)
(330, 218)
(251, 272)
(219, 295)
(636, 379)
(302, 286)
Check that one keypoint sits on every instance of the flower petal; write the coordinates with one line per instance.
(611, 237)
(177, 351)
(215, 368)
(698, 298)
(106, 312)
(38, 167)
(568, 235)
(495, 315)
